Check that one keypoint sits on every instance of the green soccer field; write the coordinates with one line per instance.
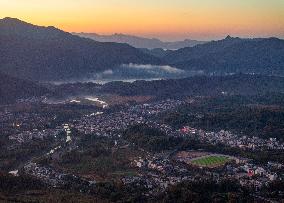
(211, 161)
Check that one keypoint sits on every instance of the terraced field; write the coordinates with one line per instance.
(211, 161)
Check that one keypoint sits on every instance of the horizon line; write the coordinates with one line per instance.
(152, 36)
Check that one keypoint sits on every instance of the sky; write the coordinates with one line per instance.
(165, 19)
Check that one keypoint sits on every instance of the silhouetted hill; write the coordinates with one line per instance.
(264, 56)
(239, 84)
(12, 89)
(141, 42)
(47, 53)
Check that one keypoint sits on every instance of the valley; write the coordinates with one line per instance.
(134, 144)
(149, 121)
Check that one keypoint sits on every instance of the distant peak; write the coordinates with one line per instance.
(9, 19)
(13, 21)
(229, 37)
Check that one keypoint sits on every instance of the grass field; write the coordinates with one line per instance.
(210, 161)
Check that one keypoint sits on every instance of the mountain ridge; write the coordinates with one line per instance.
(141, 42)
(232, 55)
(47, 53)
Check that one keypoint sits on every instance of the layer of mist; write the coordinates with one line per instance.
(133, 72)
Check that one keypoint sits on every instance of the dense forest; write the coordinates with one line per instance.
(151, 139)
(12, 88)
(239, 84)
(246, 116)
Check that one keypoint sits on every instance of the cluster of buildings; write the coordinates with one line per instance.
(233, 140)
(255, 176)
(19, 125)
(35, 134)
(15, 122)
(108, 124)
(56, 178)
(156, 172)
(165, 170)
(46, 174)
(31, 100)
(161, 172)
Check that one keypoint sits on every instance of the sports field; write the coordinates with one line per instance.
(210, 161)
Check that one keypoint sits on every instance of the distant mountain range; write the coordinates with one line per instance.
(232, 55)
(46, 53)
(141, 42)
(49, 54)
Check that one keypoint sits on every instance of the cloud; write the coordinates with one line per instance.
(107, 72)
(140, 71)
(154, 68)
(104, 74)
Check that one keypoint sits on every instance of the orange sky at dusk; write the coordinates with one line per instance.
(165, 19)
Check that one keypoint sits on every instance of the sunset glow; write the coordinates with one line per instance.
(166, 19)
